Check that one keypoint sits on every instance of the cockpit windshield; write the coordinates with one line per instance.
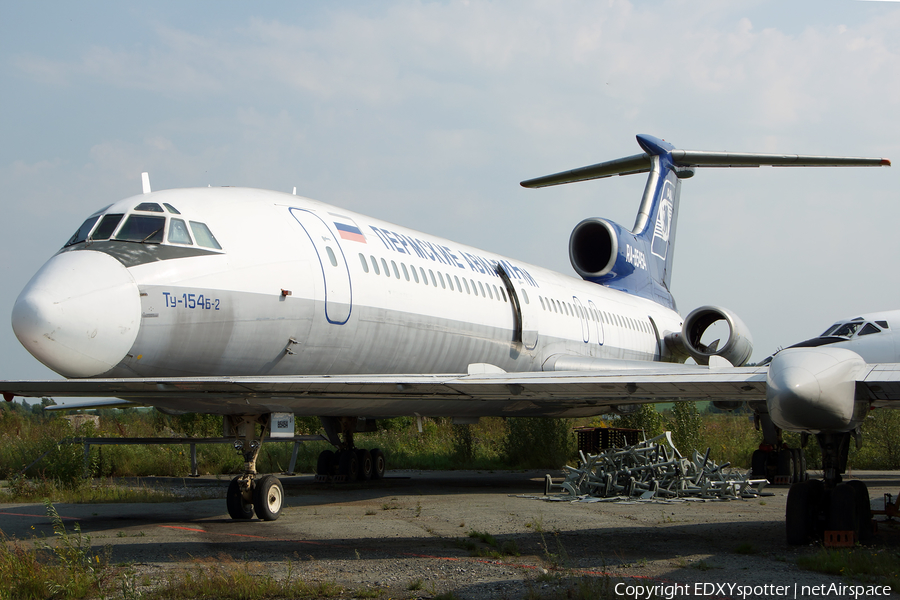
(143, 229)
(140, 227)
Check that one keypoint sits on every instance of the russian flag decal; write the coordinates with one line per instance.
(348, 230)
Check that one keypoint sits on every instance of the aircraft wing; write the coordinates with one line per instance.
(558, 394)
(882, 382)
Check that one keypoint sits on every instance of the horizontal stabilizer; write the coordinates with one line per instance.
(639, 163)
(701, 158)
(688, 159)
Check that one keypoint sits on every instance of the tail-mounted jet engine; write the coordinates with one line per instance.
(736, 348)
(594, 249)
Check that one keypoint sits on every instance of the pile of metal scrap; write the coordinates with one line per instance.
(654, 469)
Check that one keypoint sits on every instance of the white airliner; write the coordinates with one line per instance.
(249, 303)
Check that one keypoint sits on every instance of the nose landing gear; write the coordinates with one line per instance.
(247, 493)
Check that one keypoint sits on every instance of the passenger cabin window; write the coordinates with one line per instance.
(365, 265)
(178, 232)
(138, 228)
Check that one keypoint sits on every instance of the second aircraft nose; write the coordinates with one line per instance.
(79, 314)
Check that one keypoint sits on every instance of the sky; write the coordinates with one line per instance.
(429, 114)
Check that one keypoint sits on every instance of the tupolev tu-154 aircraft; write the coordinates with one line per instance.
(251, 303)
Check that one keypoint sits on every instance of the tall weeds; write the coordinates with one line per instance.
(27, 433)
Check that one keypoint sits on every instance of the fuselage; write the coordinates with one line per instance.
(236, 281)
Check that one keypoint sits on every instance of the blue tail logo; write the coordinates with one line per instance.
(639, 261)
(659, 247)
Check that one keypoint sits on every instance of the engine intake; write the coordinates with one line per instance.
(736, 348)
(593, 248)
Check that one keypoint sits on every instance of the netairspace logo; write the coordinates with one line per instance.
(735, 590)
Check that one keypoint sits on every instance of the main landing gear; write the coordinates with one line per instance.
(774, 460)
(348, 463)
(248, 493)
(829, 505)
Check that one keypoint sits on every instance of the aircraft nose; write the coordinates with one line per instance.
(813, 389)
(79, 314)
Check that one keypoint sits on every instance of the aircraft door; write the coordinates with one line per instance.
(333, 263)
(582, 316)
(598, 322)
(525, 322)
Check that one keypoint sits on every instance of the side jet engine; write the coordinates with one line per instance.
(736, 347)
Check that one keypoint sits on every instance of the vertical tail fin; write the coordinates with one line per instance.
(640, 261)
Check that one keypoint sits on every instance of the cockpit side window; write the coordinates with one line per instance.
(869, 329)
(106, 227)
(178, 232)
(847, 329)
(830, 329)
(204, 236)
(171, 208)
(882, 324)
(83, 231)
(140, 228)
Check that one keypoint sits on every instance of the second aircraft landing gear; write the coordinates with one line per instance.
(248, 493)
(348, 463)
(829, 505)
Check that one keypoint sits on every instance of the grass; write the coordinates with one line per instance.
(224, 578)
(494, 549)
(415, 585)
(862, 564)
(85, 492)
(66, 568)
(746, 548)
(575, 588)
